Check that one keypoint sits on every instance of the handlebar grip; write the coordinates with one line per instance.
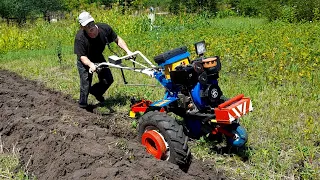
(96, 65)
(131, 57)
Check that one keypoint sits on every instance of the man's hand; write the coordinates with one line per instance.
(130, 57)
(92, 68)
(86, 61)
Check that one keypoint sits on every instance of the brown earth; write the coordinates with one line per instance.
(58, 140)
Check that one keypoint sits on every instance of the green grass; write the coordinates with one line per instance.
(275, 64)
(9, 163)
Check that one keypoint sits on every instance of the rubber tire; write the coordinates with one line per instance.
(241, 132)
(172, 133)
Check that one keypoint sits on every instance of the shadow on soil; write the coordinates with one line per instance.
(219, 146)
(109, 104)
(242, 152)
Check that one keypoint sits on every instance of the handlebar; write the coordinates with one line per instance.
(116, 62)
(129, 57)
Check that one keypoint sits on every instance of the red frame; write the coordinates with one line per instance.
(233, 109)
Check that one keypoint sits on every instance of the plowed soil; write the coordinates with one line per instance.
(57, 140)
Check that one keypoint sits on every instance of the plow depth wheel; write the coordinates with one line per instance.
(154, 143)
(240, 135)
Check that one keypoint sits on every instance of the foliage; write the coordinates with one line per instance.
(304, 10)
(285, 10)
(225, 13)
(9, 167)
(20, 10)
(288, 14)
(45, 6)
(15, 38)
(193, 6)
(106, 2)
(248, 7)
(73, 4)
(163, 4)
(275, 63)
(5, 8)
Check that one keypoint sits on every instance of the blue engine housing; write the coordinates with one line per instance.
(196, 96)
(204, 95)
(204, 92)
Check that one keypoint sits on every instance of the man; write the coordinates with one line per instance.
(89, 45)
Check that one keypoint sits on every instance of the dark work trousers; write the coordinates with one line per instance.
(105, 80)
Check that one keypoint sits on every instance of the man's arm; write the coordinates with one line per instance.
(85, 60)
(121, 43)
(80, 50)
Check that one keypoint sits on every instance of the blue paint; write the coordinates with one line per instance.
(242, 139)
(164, 102)
(195, 93)
(194, 126)
(175, 59)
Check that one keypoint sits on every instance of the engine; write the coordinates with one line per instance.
(199, 81)
(196, 81)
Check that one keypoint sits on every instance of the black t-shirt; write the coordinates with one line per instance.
(93, 47)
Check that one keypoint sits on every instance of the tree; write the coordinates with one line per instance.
(5, 9)
(250, 7)
(45, 7)
(193, 6)
(272, 10)
(304, 10)
(175, 6)
(20, 10)
(16, 9)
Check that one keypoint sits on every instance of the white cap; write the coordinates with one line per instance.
(85, 18)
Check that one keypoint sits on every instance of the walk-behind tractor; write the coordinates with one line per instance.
(193, 104)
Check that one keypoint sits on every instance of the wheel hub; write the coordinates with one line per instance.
(154, 143)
